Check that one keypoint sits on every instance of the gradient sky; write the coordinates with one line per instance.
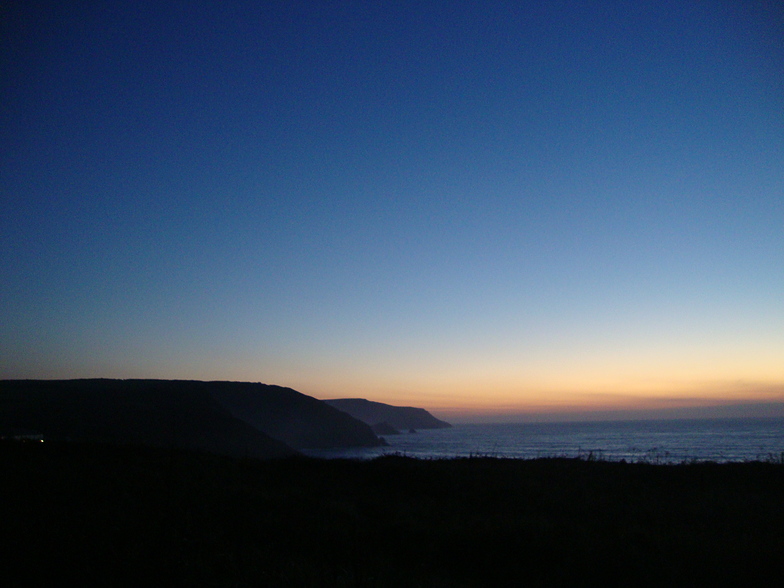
(474, 207)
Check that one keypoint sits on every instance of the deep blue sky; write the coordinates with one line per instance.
(490, 205)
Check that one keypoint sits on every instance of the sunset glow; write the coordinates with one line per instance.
(494, 211)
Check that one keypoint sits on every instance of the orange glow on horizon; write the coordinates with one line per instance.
(469, 401)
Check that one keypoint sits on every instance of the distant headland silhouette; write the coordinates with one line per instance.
(229, 418)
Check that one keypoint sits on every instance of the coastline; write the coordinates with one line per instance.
(653, 441)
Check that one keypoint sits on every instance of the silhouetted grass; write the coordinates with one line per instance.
(104, 515)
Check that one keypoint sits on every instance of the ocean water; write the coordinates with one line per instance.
(658, 441)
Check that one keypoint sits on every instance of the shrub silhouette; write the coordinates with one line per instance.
(121, 515)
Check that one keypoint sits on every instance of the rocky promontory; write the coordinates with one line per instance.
(403, 418)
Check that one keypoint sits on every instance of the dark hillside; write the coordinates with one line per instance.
(231, 417)
(95, 515)
(299, 420)
(151, 412)
(399, 417)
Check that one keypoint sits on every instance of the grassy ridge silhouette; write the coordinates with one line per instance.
(121, 515)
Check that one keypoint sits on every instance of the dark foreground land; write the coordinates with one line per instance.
(123, 516)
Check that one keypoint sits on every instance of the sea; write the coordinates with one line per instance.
(652, 441)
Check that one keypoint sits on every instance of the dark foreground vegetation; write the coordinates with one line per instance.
(127, 516)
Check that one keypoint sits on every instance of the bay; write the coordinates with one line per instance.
(654, 441)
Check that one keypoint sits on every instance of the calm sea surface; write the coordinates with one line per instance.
(665, 441)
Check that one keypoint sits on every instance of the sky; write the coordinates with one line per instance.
(500, 209)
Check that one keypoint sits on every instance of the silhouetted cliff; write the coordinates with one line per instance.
(230, 418)
(148, 412)
(384, 429)
(299, 420)
(399, 417)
